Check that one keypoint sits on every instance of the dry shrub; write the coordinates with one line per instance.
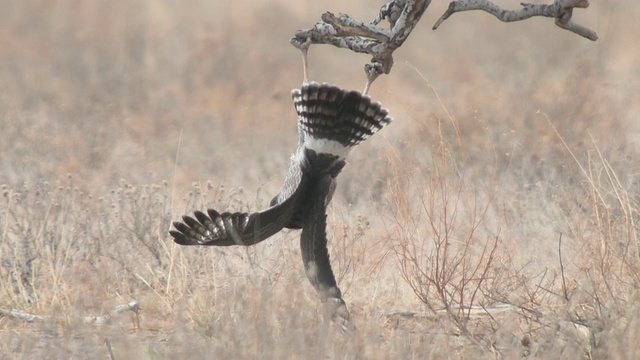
(491, 207)
(446, 232)
(439, 230)
(56, 238)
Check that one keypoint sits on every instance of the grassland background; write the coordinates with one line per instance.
(120, 116)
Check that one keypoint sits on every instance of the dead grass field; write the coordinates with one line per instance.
(497, 217)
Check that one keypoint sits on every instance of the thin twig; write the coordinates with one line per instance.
(564, 284)
(133, 306)
(107, 342)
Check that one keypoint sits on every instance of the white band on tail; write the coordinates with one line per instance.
(326, 146)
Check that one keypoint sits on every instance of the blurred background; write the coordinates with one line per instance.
(118, 117)
(160, 90)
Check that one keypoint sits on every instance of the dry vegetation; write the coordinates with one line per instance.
(497, 216)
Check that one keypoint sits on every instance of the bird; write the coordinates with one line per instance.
(331, 122)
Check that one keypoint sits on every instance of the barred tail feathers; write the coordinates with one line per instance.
(333, 120)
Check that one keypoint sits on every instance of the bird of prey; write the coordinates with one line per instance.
(331, 121)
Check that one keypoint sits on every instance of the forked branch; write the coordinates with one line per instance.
(346, 32)
(561, 10)
(403, 15)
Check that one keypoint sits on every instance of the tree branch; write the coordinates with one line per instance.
(346, 32)
(561, 10)
(133, 306)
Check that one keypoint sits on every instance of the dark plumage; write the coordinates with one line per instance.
(331, 121)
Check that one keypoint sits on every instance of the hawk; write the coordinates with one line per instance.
(331, 121)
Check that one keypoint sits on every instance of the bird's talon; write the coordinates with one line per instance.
(372, 71)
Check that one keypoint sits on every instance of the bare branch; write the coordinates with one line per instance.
(561, 10)
(371, 38)
(17, 314)
(346, 32)
(133, 306)
(346, 26)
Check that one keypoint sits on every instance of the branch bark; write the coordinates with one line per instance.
(346, 32)
(371, 38)
(133, 306)
(561, 10)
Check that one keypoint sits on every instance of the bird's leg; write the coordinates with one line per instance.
(372, 71)
(305, 66)
(303, 46)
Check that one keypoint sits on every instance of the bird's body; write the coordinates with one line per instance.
(331, 121)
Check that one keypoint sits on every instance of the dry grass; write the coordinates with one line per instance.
(497, 217)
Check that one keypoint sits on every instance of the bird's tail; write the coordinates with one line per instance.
(332, 120)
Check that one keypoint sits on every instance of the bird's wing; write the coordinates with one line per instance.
(313, 240)
(294, 175)
(226, 229)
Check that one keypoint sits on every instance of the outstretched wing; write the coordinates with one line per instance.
(226, 229)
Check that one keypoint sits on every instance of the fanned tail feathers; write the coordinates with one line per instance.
(332, 120)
